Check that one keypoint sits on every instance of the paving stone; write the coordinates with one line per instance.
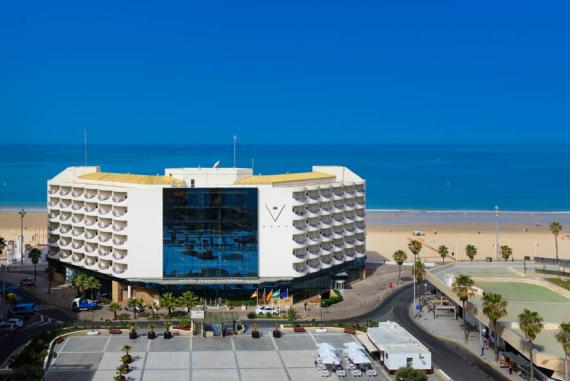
(176, 344)
(116, 344)
(211, 344)
(76, 361)
(213, 360)
(258, 359)
(298, 359)
(85, 344)
(295, 342)
(169, 375)
(217, 375)
(167, 360)
(245, 343)
(263, 375)
(54, 375)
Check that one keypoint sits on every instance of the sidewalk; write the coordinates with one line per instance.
(450, 329)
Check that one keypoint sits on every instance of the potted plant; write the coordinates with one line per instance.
(255, 331)
(240, 328)
(127, 356)
(119, 375)
(276, 331)
(151, 334)
(167, 333)
(133, 334)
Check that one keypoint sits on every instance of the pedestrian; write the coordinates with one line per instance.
(510, 367)
(305, 306)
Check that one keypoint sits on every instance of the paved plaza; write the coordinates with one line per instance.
(239, 358)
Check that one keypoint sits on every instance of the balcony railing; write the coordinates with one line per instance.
(104, 265)
(119, 269)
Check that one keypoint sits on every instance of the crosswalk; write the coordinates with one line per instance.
(43, 307)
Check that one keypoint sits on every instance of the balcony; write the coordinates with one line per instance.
(119, 226)
(77, 218)
(53, 251)
(53, 201)
(53, 189)
(326, 261)
(105, 195)
(90, 221)
(64, 191)
(348, 244)
(314, 195)
(299, 226)
(338, 207)
(91, 235)
(300, 196)
(300, 238)
(338, 193)
(338, 243)
(91, 260)
(299, 211)
(327, 248)
(300, 268)
(314, 239)
(119, 240)
(105, 223)
(53, 215)
(313, 251)
(359, 201)
(104, 250)
(119, 211)
(90, 247)
(90, 194)
(104, 209)
(53, 238)
(77, 205)
(338, 257)
(53, 227)
(349, 206)
(64, 229)
(64, 204)
(327, 221)
(77, 232)
(119, 254)
(349, 216)
(300, 253)
(314, 265)
(77, 257)
(313, 212)
(326, 193)
(119, 268)
(77, 244)
(65, 254)
(105, 237)
(90, 207)
(349, 190)
(351, 253)
(119, 197)
(104, 264)
(360, 237)
(77, 192)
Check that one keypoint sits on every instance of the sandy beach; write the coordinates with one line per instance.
(388, 231)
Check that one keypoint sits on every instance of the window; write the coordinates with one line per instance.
(192, 183)
(409, 362)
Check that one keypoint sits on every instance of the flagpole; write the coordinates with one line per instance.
(257, 297)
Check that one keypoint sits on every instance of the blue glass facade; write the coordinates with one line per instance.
(210, 232)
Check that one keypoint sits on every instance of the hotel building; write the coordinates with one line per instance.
(221, 232)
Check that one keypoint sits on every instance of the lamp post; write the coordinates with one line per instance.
(497, 233)
(22, 213)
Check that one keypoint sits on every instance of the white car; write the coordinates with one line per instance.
(17, 323)
(266, 310)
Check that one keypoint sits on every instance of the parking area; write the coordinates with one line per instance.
(239, 358)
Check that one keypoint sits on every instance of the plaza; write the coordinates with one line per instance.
(239, 358)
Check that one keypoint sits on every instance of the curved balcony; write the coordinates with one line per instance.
(53, 239)
(53, 227)
(327, 221)
(77, 245)
(104, 264)
(338, 223)
(53, 215)
(104, 209)
(119, 197)
(350, 228)
(119, 226)
(64, 191)
(119, 254)
(349, 207)
(313, 213)
(360, 237)
(105, 237)
(64, 204)
(90, 194)
(91, 248)
(300, 254)
(300, 227)
(104, 250)
(77, 192)
(326, 249)
(359, 201)
(349, 216)
(77, 257)
(91, 260)
(65, 254)
(105, 223)
(314, 239)
(359, 218)
(119, 211)
(313, 227)
(53, 189)
(326, 261)
(349, 254)
(77, 232)
(119, 268)
(301, 267)
(349, 245)
(90, 207)
(90, 221)
(119, 240)
(326, 238)
(104, 195)
(77, 205)
(326, 192)
(360, 254)
(338, 207)
(77, 218)
(65, 229)
(299, 211)
(314, 265)
(338, 244)
(53, 201)
(337, 260)
(313, 251)
(53, 251)
(314, 195)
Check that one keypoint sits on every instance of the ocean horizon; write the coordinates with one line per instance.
(442, 178)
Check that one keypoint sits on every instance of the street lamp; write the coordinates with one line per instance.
(497, 232)
(22, 213)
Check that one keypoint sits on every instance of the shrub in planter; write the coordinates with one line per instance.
(255, 332)
(119, 376)
(240, 327)
(276, 332)
(133, 333)
(151, 334)
(251, 315)
(127, 358)
(167, 334)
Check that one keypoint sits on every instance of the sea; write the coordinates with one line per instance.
(518, 178)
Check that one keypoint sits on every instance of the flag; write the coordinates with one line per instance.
(276, 294)
(269, 296)
(254, 295)
(284, 294)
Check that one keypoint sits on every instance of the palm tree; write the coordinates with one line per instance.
(563, 337)
(2, 244)
(419, 271)
(292, 315)
(188, 299)
(168, 301)
(92, 284)
(415, 247)
(531, 323)
(506, 252)
(495, 308)
(50, 271)
(35, 254)
(134, 303)
(471, 251)
(555, 228)
(153, 307)
(79, 282)
(443, 252)
(114, 307)
(463, 287)
(400, 257)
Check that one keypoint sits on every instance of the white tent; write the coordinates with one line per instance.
(355, 353)
(327, 354)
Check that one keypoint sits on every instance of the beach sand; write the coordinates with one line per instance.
(390, 231)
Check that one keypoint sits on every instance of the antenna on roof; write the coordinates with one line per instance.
(216, 164)
(85, 146)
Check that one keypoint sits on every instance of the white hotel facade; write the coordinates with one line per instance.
(218, 231)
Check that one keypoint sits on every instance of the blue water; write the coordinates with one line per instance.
(439, 177)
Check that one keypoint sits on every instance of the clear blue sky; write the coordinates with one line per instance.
(306, 71)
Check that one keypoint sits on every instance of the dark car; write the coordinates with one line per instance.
(29, 281)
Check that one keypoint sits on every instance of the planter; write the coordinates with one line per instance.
(321, 330)
(276, 333)
(115, 331)
(167, 335)
(151, 335)
(133, 335)
(93, 333)
(352, 331)
(299, 329)
(125, 368)
(255, 334)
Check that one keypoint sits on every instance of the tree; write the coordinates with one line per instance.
(463, 287)
(134, 303)
(400, 257)
(153, 307)
(471, 251)
(80, 282)
(92, 284)
(2, 244)
(114, 307)
(410, 374)
(495, 308)
(531, 323)
(443, 252)
(168, 301)
(35, 255)
(188, 299)
(563, 337)
(506, 252)
(50, 271)
(415, 247)
(555, 228)
(419, 271)
(292, 315)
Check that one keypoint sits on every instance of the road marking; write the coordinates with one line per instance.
(236, 358)
(315, 340)
(280, 358)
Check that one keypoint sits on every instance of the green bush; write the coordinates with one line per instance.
(251, 315)
(410, 374)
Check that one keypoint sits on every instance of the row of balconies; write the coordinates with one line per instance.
(86, 193)
(91, 260)
(59, 222)
(104, 225)
(318, 250)
(307, 226)
(87, 207)
(334, 192)
(312, 265)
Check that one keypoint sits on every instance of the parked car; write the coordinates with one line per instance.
(82, 304)
(266, 310)
(137, 309)
(6, 327)
(17, 322)
(29, 281)
(23, 310)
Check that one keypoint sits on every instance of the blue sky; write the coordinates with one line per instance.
(285, 72)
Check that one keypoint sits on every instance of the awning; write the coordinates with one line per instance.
(365, 341)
